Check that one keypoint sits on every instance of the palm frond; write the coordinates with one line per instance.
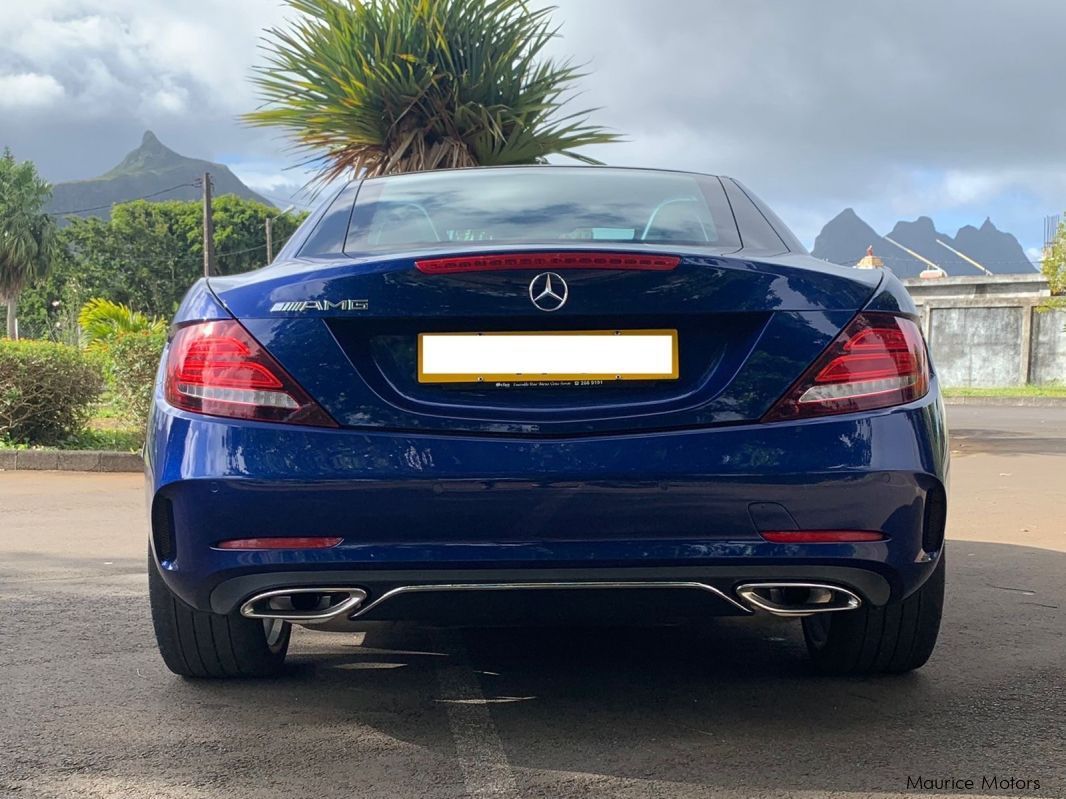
(102, 320)
(370, 87)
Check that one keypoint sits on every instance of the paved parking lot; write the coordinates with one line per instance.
(88, 710)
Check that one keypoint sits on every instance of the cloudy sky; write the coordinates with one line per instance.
(896, 108)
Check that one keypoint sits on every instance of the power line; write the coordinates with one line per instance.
(241, 252)
(109, 205)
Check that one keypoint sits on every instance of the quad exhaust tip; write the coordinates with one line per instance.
(304, 605)
(797, 599)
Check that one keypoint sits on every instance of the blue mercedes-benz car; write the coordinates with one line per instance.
(572, 393)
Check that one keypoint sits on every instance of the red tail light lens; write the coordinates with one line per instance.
(822, 536)
(879, 360)
(549, 260)
(217, 368)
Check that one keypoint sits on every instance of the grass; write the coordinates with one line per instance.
(107, 430)
(118, 440)
(121, 440)
(1053, 390)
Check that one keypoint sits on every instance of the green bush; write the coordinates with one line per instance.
(47, 391)
(133, 359)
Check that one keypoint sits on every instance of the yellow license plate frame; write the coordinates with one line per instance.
(562, 377)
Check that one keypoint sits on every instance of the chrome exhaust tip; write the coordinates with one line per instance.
(304, 605)
(797, 599)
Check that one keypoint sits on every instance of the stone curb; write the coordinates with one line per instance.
(1009, 402)
(70, 460)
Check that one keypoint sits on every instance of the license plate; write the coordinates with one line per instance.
(563, 356)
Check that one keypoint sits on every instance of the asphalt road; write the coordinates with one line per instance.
(88, 710)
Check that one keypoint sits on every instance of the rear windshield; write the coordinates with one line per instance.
(540, 206)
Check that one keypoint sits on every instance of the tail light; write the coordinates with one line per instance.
(217, 368)
(879, 360)
(549, 260)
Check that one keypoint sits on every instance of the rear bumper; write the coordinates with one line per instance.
(458, 595)
(430, 509)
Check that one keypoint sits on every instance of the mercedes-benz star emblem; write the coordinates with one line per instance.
(548, 291)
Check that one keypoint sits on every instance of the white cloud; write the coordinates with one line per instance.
(267, 176)
(172, 100)
(902, 108)
(178, 67)
(962, 188)
(896, 109)
(28, 91)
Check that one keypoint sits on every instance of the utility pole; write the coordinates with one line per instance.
(209, 228)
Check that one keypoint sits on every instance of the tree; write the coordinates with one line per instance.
(1054, 266)
(1054, 269)
(27, 234)
(370, 87)
(148, 254)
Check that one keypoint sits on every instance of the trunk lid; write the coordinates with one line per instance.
(347, 330)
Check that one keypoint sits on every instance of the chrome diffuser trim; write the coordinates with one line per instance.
(566, 586)
(355, 598)
(749, 592)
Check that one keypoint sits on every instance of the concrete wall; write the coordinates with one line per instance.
(991, 331)
(976, 346)
(1047, 362)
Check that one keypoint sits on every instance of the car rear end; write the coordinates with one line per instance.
(470, 394)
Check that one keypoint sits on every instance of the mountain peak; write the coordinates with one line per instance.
(152, 156)
(847, 218)
(846, 237)
(921, 225)
(151, 170)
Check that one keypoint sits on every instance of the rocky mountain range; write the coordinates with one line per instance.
(153, 170)
(845, 238)
(150, 169)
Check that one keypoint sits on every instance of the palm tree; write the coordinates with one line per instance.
(27, 234)
(103, 320)
(371, 87)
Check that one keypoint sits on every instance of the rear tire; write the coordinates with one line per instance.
(892, 639)
(210, 645)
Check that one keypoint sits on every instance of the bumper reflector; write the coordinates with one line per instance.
(251, 544)
(822, 536)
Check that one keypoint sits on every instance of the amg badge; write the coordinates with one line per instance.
(319, 305)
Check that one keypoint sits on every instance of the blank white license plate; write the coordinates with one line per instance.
(569, 356)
